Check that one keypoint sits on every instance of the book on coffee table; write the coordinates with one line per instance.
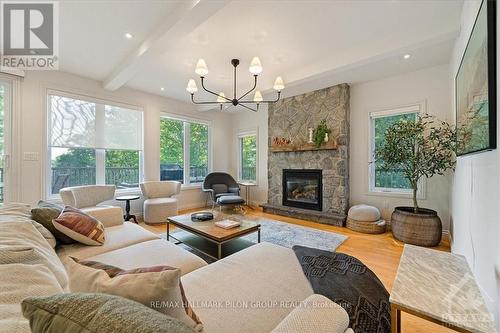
(227, 224)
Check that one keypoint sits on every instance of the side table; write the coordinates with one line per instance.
(247, 186)
(127, 199)
(439, 287)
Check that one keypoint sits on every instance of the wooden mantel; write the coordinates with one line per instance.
(330, 145)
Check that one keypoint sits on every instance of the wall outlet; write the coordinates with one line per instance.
(31, 156)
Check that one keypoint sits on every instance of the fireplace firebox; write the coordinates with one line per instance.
(303, 188)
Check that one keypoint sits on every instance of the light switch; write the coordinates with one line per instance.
(30, 156)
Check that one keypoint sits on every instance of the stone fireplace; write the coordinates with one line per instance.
(290, 119)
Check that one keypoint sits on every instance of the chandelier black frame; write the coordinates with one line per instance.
(235, 101)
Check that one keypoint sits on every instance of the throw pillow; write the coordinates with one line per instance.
(95, 313)
(158, 287)
(44, 216)
(79, 226)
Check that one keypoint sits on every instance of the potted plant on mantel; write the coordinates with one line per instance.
(421, 148)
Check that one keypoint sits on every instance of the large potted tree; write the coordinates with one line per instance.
(421, 148)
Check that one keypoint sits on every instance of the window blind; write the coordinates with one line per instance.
(82, 124)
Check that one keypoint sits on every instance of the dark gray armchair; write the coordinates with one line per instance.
(219, 185)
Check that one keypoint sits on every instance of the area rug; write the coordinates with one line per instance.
(287, 235)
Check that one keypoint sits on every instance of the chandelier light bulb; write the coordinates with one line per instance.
(255, 66)
(191, 87)
(221, 98)
(201, 68)
(257, 98)
(279, 85)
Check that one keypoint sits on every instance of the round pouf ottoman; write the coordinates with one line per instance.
(366, 219)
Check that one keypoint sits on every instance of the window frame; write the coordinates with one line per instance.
(418, 108)
(186, 144)
(242, 134)
(100, 153)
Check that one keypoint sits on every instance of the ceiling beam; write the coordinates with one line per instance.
(188, 15)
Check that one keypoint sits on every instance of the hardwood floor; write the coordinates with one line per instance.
(381, 253)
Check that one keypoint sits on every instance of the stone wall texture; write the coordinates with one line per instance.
(290, 118)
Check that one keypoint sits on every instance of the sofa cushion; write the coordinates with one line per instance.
(230, 199)
(315, 314)
(116, 238)
(21, 243)
(18, 282)
(220, 188)
(156, 252)
(44, 216)
(80, 226)
(102, 313)
(157, 287)
(258, 287)
(12, 212)
(109, 216)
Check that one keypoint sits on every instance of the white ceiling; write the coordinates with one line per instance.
(311, 43)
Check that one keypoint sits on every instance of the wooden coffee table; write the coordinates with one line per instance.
(210, 239)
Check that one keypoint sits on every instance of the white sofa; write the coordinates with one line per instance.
(259, 289)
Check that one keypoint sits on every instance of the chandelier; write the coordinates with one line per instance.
(255, 69)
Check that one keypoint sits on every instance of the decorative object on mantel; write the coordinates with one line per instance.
(451, 297)
(255, 69)
(422, 148)
(366, 219)
(310, 132)
(281, 141)
(321, 134)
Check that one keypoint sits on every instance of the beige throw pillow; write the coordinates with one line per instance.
(157, 287)
(79, 226)
(95, 313)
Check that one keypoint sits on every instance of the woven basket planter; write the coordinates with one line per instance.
(423, 228)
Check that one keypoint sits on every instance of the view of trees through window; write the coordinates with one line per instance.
(92, 142)
(248, 155)
(173, 154)
(77, 166)
(393, 179)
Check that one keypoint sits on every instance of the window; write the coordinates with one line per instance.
(92, 142)
(392, 180)
(247, 156)
(184, 145)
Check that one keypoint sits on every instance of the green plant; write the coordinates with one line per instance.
(320, 132)
(421, 148)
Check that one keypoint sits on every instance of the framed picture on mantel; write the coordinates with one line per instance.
(475, 86)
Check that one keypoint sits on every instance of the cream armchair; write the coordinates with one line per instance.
(159, 203)
(89, 199)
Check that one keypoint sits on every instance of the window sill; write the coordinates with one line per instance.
(394, 194)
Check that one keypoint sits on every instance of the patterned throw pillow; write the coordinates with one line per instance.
(79, 226)
(44, 216)
(158, 287)
(95, 313)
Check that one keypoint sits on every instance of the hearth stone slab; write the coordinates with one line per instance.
(304, 214)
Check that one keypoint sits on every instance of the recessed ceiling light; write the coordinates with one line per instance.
(407, 56)
(128, 35)
(162, 89)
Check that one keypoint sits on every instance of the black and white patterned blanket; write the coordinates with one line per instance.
(349, 283)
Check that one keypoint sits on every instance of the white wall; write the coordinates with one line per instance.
(32, 130)
(476, 196)
(245, 121)
(430, 86)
